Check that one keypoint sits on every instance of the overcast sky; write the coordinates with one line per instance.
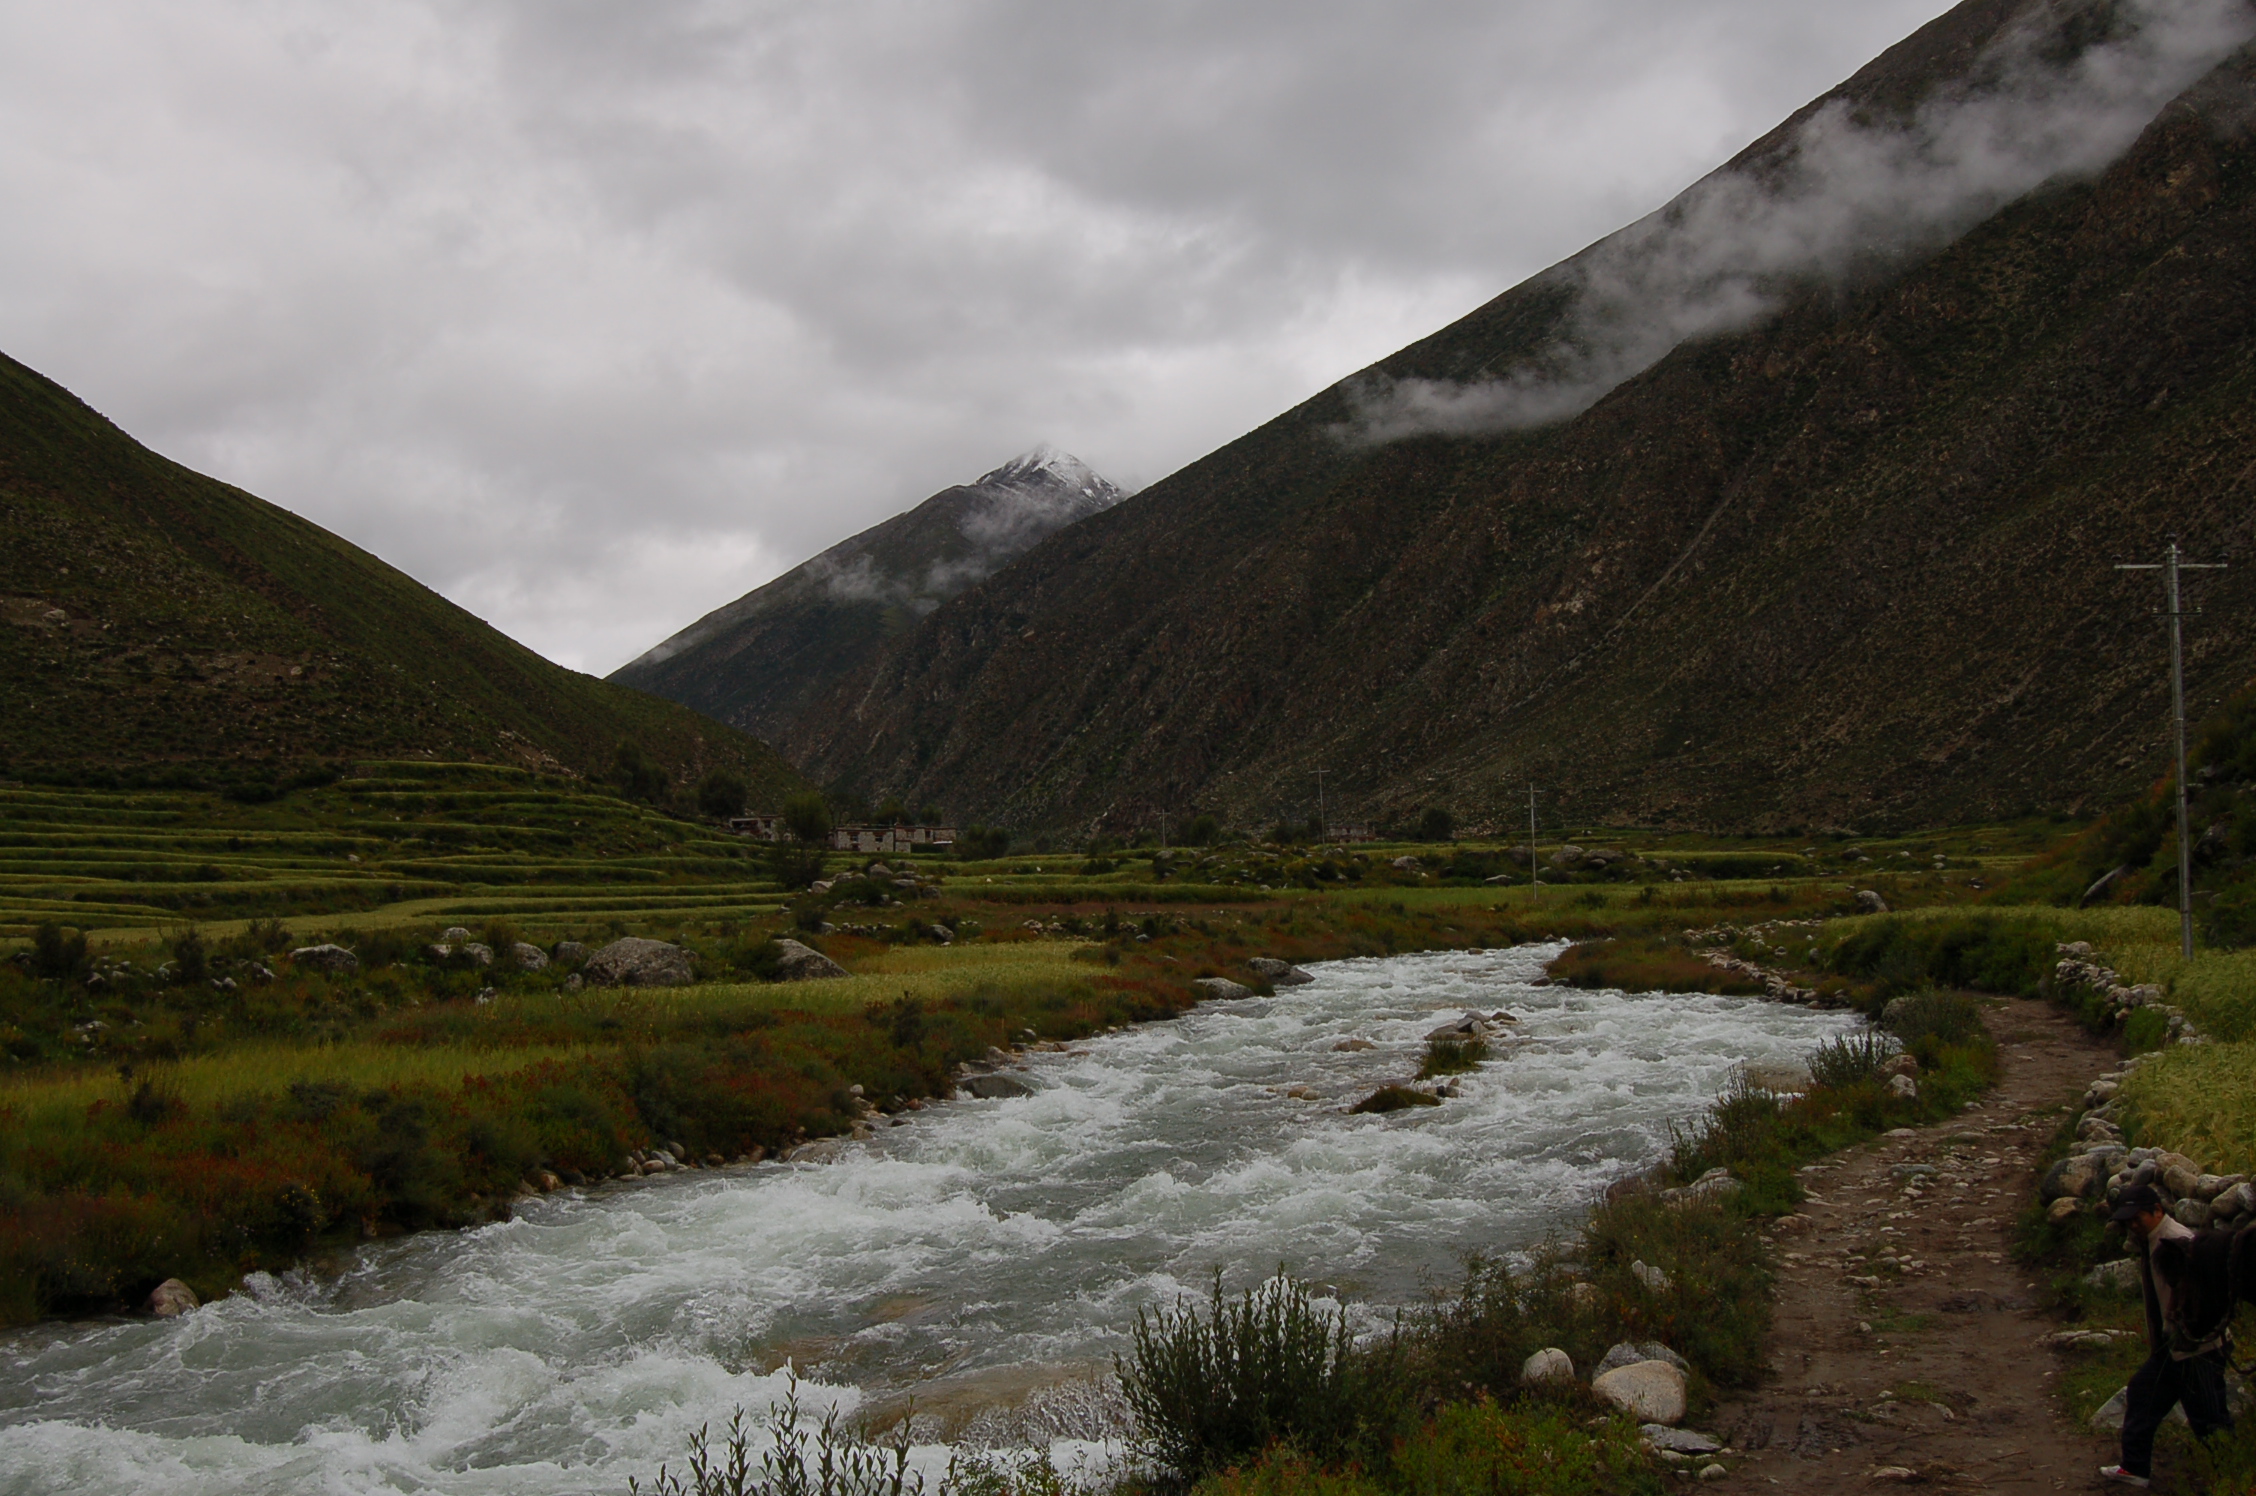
(595, 316)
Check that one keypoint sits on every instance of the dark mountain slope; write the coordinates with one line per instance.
(1850, 566)
(154, 615)
(758, 662)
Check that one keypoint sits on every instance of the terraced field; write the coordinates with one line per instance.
(390, 843)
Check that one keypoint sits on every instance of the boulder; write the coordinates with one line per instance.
(2193, 1213)
(1348, 1046)
(528, 957)
(996, 1087)
(2210, 1186)
(2240, 1200)
(569, 953)
(1656, 1280)
(480, 956)
(1629, 1353)
(1278, 973)
(1902, 1062)
(803, 963)
(2064, 1208)
(573, 983)
(171, 1299)
(1548, 1365)
(1715, 1185)
(2182, 1181)
(1461, 1030)
(334, 960)
(453, 935)
(1903, 1087)
(1649, 1391)
(2077, 1178)
(1679, 1440)
(634, 962)
(1405, 864)
(1869, 902)
(2122, 1275)
(1220, 989)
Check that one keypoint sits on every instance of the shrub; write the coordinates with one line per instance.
(1436, 825)
(982, 843)
(1209, 1388)
(836, 1464)
(191, 962)
(1849, 1060)
(1980, 951)
(1204, 831)
(57, 953)
(1927, 1020)
(636, 776)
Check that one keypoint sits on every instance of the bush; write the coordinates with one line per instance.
(1204, 831)
(837, 1464)
(1979, 951)
(1436, 825)
(1209, 1389)
(1928, 1020)
(982, 843)
(1849, 1060)
(57, 953)
(191, 961)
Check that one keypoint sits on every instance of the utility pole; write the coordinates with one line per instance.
(1535, 890)
(1163, 831)
(2170, 565)
(1324, 826)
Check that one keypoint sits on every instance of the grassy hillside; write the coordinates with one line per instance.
(150, 616)
(1848, 568)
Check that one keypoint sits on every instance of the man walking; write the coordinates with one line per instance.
(2177, 1369)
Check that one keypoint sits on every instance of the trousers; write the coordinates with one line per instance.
(2161, 1384)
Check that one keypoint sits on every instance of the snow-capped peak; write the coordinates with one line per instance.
(1062, 468)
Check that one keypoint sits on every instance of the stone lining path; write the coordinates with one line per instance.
(1906, 1345)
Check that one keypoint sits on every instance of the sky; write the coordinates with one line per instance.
(594, 317)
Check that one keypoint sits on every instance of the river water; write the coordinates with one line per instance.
(985, 1251)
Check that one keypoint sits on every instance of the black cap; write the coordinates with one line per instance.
(2135, 1202)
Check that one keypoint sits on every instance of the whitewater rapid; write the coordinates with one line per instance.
(982, 1251)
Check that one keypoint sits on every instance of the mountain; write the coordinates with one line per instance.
(760, 661)
(1792, 505)
(150, 615)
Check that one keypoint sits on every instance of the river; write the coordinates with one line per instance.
(982, 1252)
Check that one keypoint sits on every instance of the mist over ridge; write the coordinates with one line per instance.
(1848, 193)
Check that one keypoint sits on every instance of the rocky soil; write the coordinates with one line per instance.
(1909, 1347)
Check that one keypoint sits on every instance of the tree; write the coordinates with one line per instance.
(1204, 831)
(892, 812)
(1436, 825)
(807, 817)
(637, 777)
(721, 793)
(978, 843)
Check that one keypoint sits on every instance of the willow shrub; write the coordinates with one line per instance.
(1211, 1387)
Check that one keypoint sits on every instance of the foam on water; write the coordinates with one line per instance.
(982, 1250)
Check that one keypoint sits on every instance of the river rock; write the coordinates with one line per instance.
(996, 1087)
(333, 960)
(1717, 1185)
(528, 957)
(1649, 1391)
(1903, 1088)
(1462, 1030)
(634, 962)
(171, 1299)
(1629, 1353)
(1278, 973)
(1680, 1440)
(1220, 989)
(1868, 901)
(1548, 1365)
(2077, 1178)
(2122, 1275)
(2109, 1418)
(803, 963)
(569, 953)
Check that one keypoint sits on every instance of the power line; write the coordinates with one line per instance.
(2170, 565)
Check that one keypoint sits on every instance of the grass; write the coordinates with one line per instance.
(2199, 1100)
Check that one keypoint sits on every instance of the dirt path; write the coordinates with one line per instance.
(1906, 1341)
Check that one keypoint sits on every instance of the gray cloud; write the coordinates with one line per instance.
(595, 316)
(1847, 195)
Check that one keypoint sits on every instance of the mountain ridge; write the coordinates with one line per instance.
(151, 615)
(758, 662)
(1423, 617)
